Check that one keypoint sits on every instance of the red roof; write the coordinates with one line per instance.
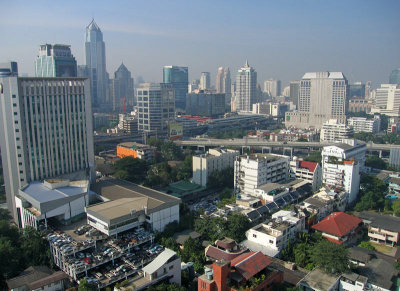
(308, 165)
(338, 224)
(338, 242)
(218, 254)
(249, 264)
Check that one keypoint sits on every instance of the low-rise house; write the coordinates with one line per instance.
(318, 280)
(274, 234)
(339, 228)
(309, 171)
(183, 236)
(353, 282)
(250, 271)
(38, 278)
(224, 249)
(136, 150)
(381, 228)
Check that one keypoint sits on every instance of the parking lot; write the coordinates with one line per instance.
(102, 261)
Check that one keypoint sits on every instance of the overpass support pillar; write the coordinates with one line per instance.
(380, 154)
(268, 149)
(288, 149)
(203, 147)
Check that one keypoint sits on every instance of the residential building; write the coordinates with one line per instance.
(224, 249)
(9, 69)
(387, 100)
(127, 205)
(356, 90)
(340, 228)
(223, 83)
(246, 83)
(322, 96)
(274, 235)
(393, 125)
(215, 159)
(205, 103)
(205, 81)
(251, 171)
(360, 105)
(235, 274)
(38, 278)
(136, 150)
(341, 165)
(319, 280)
(382, 229)
(178, 77)
(156, 106)
(308, 171)
(47, 132)
(95, 61)
(272, 87)
(294, 92)
(395, 77)
(268, 108)
(55, 60)
(167, 265)
(122, 92)
(332, 130)
(362, 124)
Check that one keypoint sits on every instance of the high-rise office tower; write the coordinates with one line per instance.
(156, 106)
(223, 83)
(322, 96)
(294, 92)
(357, 90)
(122, 92)
(179, 78)
(9, 69)
(387, 100)
(395, 77)
(193, 86)
(272, 87)
(95, 60)
(47, 131)
(205, 82)
(246, 84)
(55, 60)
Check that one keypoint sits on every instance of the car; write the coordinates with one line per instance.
(99, 275)
(87, 260)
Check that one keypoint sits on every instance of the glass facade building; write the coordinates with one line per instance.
(395, 77)
(55, 60)
(179, 78)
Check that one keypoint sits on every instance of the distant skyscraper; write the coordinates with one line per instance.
(223, 83)
(122, 90)
(205, 103)
(179, 78)
(246, 84)
(194, 85)
(322, 96)
(205, 82)
(95, 60)
(55, 60)
(294, 92)
(272, 87)
(9, 69)
(357, 90)
(387, 100)
(156, 106)
(47, 131)
(395, 77)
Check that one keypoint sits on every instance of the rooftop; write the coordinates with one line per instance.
(249, 264)
(159, 261)
(29, 276)
(317, 279)
(308, 165)
(379, 272)
(391, 223)
(338, 224)
(133, 145)
(268, 187)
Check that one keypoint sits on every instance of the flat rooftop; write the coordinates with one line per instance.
(272, 186)
(133, 145)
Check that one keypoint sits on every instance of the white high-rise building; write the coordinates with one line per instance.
(333, 130)
(272, 87)
(341, 165)
(205, 82)
(223, 83)
(254, 170)
(362, 124)
(322, 96)
(95, 61)
(46, 131)
(246, 84)
(387, 100)
(215, 159)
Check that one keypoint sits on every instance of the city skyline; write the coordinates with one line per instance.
(282, 40)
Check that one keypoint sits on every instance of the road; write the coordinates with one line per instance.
(254, 142)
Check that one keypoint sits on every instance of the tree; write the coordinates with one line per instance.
(219, 179)
(372, 193)
(185, 170)
(131, 169)
(315, 157)
(375, 162)
(170, 151)
(35, 249)
(367, 245)
(154, 142)
(236, 226)
(159, 175)
(330, 256)
(85, 286)
(5, 214)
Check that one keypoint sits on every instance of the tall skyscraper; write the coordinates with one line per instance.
(55, 60)
(95, 60)
(122, 90)
(272, 87)
(9, 69)
(294, 92)
(205, 82)
(156, 106)
(322, 96)
(223, 83)
(246, 84)
(395, 77)
(357, 90)
(47, 131)
(179, 78)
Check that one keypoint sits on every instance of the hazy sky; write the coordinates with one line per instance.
(281, 39)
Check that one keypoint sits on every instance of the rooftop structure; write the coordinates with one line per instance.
(136, 150)
(224, 249)
(318, 280)
(308, 171)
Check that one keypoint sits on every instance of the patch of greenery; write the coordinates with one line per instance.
(372, 194)
(315, 157)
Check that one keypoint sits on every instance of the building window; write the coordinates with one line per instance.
(14, 96)
(171, 267)
(254, 235)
